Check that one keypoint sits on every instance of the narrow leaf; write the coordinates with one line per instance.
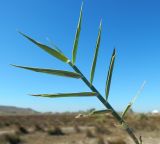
(96, 54)
(109, 76)
(76, 40)
(51, 51)
(58, 95)
(133, 100)
(101, 112)
(54, 46)
(80, 116)
(52, 71)
(126, 110)
(138, 92)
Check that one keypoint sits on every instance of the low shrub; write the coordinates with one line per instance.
(12, 139)
(116, 141)
(89, 134)
(39, 128)
(77, 129)
(99, 129)
(100, 140)
(56, 131)
(21, 130)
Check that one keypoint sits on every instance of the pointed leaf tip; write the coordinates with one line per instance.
(96, 54)
(114, 51)
(47, 49)
(77, 35)
(82, 5)
(133, 100)
(109, 76)
(126, 110)
(101, 112)
(100, 23)
(51, 71)
(58, 95)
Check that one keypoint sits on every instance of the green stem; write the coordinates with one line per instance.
(107, 105)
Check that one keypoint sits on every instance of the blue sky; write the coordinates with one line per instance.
(133, 27)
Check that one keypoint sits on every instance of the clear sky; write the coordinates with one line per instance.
(132, 26)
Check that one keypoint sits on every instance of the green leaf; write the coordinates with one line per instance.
(54, 52)
(101, 112)
(54, 46)
(125, 111)
(96, 54)
(58, 95)
(138, 92)
(133, 100)
(52, 71)
(76, 40)
(109, 76)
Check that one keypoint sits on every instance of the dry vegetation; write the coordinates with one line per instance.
(65, 129)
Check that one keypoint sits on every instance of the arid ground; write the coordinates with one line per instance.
(66, 129)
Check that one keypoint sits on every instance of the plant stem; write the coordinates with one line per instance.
(106, 104)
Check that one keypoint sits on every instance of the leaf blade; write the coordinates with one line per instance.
(126, 110)
(101, 112)
(49, 50)
(52, 45)
(51, 71)
(58, 95)
(109, 76)
(133, 100)
(96, 53)
(77, 35)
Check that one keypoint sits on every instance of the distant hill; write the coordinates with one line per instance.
(11, 110)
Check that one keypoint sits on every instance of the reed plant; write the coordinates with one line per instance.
(77, 74)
